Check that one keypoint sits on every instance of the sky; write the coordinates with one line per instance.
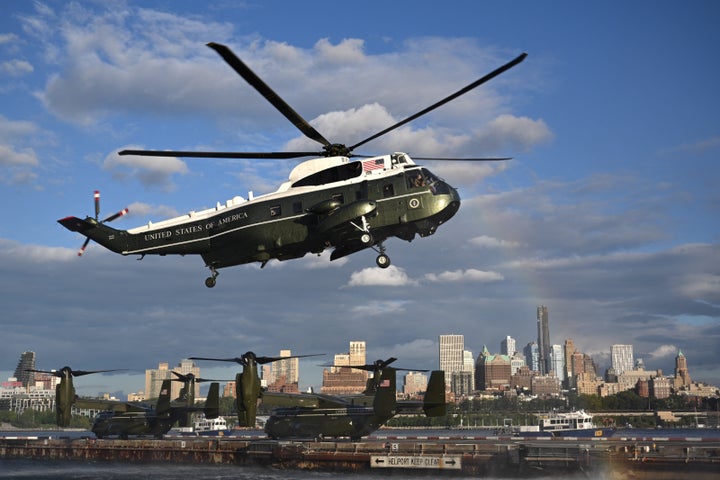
(608, 212)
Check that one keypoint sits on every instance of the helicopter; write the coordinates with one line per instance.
(339, 199)
(340, 417)
(128, 418)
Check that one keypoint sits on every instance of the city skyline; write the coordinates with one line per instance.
(607, 212)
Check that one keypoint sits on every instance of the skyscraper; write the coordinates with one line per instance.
(682, 374)
(557, 361)
(532, 356)
(622, 358)
(507, 346)
(451, 353)
(26, 362)
(543, 329)
(569, 348)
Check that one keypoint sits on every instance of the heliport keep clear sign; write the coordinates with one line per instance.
(411, 461)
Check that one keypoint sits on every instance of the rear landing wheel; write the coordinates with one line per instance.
(210, 282)
(382, 260)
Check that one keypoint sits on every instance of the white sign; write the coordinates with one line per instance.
(410, 461)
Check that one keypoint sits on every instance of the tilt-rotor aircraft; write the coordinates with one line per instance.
(123, 419)
(311, 415)
(330, 201)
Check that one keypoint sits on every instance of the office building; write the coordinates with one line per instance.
(622, 358)
(557, 362)
(155, 377)
(543, 332)
(569, 349)
(532, 356)
(451, 355)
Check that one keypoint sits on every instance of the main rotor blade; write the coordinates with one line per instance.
(264, 360)
(442, 102)
(267, 92)
(178, 153)
(447, 159)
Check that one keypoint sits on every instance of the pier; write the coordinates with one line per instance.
(617, 457)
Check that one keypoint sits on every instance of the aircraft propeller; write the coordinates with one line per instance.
(67, 372)
(249, 358)
(378, 366)
(112, 217)
(328, 149)
(189, 377)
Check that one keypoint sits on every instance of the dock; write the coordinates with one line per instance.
(497, 456)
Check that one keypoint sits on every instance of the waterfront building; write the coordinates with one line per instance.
(660, 387)
(516, 361)
(628, 379)
(622, 358)
(543, 334)
(522, 379)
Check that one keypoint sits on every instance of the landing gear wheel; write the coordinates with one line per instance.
(366, 239)
(382, 260)
(210, 281)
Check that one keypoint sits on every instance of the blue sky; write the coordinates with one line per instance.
(608, 212)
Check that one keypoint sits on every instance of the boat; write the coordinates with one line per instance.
(577, 423)
(209, 427)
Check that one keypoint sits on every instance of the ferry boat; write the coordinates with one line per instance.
(566, 424)
(206, 426)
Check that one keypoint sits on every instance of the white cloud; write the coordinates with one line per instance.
(664, 351)
(10, 156)
(391, 276)
(16, 68)
(150, 171)
(376, 308)
(469, 275)
(485, 241)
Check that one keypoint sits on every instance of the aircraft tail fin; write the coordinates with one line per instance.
(163, 406)
(385, 402)
(64, 398)
(434, 403)
(212, 404)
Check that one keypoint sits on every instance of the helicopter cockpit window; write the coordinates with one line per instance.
(415, 179)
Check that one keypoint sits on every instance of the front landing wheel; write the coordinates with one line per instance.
(382, 260)
(210, 282)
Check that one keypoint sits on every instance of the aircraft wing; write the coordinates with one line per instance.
(113, 405)
(305, 400)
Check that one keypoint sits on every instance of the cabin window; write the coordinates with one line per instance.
(337, 173)
(297, 207)
(388, 190)
(415, 179)
(275, 211)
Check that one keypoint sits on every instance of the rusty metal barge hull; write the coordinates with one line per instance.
(497, 456)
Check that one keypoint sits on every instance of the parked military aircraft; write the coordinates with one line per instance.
(129, 418)
(340, 417)
(247, 383)
(157, 421)
(328, 202)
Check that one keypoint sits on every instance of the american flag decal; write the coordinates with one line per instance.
(163, 392)
(385, 383)
(376, 164)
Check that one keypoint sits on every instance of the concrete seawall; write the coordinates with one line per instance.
(621, 457)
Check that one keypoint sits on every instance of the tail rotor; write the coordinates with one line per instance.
(112, 217)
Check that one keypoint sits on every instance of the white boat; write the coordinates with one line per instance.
(210, 426)
(567, 424)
